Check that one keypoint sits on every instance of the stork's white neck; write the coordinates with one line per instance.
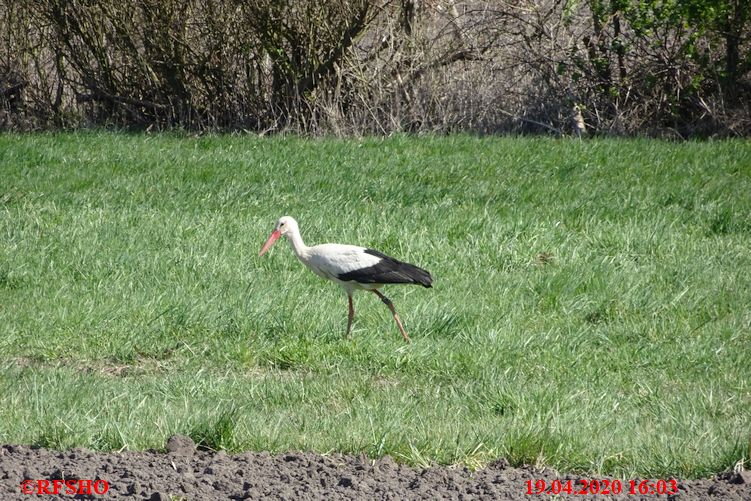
(298, 246)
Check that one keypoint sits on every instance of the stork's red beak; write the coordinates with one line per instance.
(272, 239)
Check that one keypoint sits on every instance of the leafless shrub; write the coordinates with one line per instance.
(378, 66)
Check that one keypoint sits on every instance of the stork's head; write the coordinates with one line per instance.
(284, 226)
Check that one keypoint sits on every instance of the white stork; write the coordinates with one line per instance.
(352, 267)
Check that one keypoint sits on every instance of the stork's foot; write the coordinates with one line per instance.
(388, 303)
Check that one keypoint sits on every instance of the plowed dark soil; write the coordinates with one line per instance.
(184, 473)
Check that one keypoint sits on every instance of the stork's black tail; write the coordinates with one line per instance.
(417, 274)
(389, 271)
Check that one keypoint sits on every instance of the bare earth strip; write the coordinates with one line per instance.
(184, 473)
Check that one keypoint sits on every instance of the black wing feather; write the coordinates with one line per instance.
(388, 271)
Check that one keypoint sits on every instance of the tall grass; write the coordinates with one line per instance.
(591, 308)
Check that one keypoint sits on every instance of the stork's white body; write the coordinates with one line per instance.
(332, 260)
(350, 266)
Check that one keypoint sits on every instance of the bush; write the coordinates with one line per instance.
(365, 66)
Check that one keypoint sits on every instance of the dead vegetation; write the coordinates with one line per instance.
(379, 66)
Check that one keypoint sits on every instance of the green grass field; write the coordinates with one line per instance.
(591, 309)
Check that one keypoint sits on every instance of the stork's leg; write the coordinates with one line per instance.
(388, 303)
(351, 314)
